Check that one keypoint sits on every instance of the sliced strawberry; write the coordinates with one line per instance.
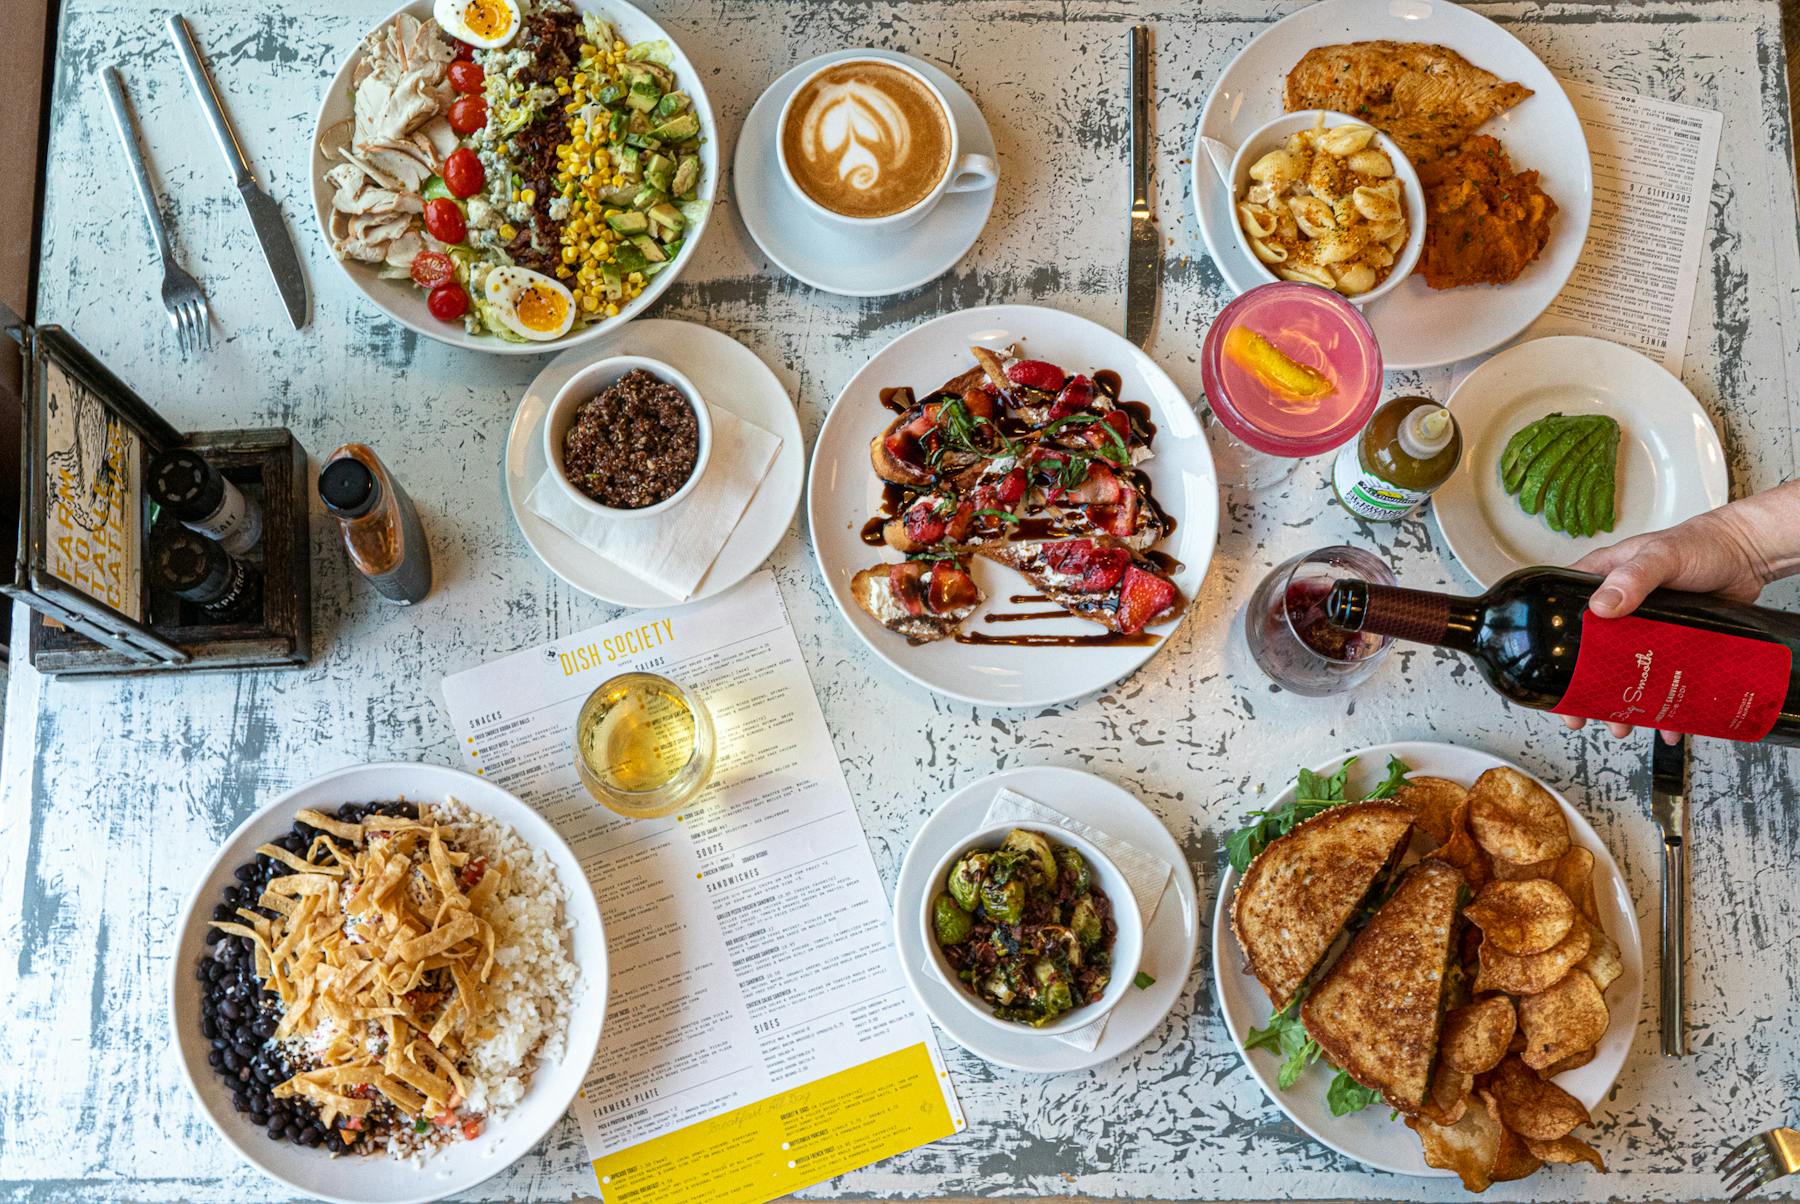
(1120, 422)
(952, 588)
(903, 579)
(1095, 569)
(924, 521)
(958, 526)
(1036, 374)
(1100, 485)
(1144, 597)
(1077, 395)
(1011, 488)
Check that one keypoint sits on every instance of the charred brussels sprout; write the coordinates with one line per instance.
(1004, 902)
(950, 921)
(1084, 921)
(965, 879)
(1073, 864)
(1037, 848)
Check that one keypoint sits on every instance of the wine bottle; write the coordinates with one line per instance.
(1681, 662)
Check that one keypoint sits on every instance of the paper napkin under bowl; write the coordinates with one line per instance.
(1145, 873)
(673, 550)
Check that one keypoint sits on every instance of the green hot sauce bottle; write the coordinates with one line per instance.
(1409, 448)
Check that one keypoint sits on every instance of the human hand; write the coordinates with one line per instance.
(1709, 554)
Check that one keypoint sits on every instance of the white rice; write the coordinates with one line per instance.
(534, 973)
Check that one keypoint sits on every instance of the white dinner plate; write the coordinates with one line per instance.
(728, 375)
(839, 261)
(462, 1165)
(1369, 1136)
(843, 493)
(1417, 326)
(1169, 944)
(404, 302)
(1671, 466)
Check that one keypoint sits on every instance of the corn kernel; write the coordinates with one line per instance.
(568, 254)
(529, 196)
(636, 277)
(563, 273)
(509, 232)
(612, 311)
(591, 304)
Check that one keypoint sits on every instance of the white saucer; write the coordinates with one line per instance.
(1169, 945)
(1671, 466)
(730, 376)
(838, 261)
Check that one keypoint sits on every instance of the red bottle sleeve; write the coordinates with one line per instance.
(1683, 679)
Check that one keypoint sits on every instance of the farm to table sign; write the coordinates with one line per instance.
(117, 791)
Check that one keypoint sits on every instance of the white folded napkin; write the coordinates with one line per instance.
(673, 550)
(1145, 873)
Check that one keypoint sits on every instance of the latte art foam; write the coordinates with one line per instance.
(866, 139)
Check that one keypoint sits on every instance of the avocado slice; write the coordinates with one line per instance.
(644, 95)
(1516, 445)
(1537, 478)
(678, 129)
(687, 174)
(648, 196)
(1548, 429)
(1565, 487)
(648, 247)
(629, 222)
(671, 104)
(1601, 516)
(1585, 521)
(667, 219)
(659, 171)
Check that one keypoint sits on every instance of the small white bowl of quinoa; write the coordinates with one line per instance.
(627, 437)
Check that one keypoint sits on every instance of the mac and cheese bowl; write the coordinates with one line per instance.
(1323, 198)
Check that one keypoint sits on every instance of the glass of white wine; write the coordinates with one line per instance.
(644, 745)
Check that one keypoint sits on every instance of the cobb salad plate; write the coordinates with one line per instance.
(618, 184)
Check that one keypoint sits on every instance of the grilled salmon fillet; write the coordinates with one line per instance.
(1427, 98)
(1302, 889)
(1378, 1011)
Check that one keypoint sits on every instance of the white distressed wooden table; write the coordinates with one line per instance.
(116, 792)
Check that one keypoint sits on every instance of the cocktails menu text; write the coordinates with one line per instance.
(759, 1037)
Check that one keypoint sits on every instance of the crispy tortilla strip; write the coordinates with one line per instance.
(424, 1052)
(297, 862)
(482, 893)
(303, 884)
(438, 940)
(326, 823)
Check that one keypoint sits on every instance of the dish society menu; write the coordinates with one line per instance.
(759, 1037)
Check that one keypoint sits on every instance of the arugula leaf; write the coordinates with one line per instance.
(1115, 450)
(1396, 778)
(1301, 1050)
(1346, 1095)
(1313, 788)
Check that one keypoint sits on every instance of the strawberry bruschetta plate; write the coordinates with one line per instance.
(1012, 505)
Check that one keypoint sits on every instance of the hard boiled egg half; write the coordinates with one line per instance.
(531, 304)
(485, 23)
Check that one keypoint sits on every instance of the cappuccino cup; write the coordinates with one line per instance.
(869, 144)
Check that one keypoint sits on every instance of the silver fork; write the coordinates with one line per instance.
(1760, 1161)
(181, 293)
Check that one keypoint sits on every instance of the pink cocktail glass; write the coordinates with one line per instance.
(1270, 430)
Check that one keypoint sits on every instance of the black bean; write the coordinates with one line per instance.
(209, 1028)
(221, 1043)
(244, 1050)
(222, 912)
(313, 1138)
(291, 842)
(215, 1059)
(228, 1010)
(264, 1028)
(333, 1142)
(243, 1074)
(240, 1103)
(232, 1062)
(213, 935)
(244, 873)
(259, 1118)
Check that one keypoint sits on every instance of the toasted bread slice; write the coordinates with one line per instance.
(1304, 887)
(1377, 1012)
(921, 600)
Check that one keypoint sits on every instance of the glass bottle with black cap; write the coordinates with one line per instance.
(187, 486)
(380, 525)
(193, 567)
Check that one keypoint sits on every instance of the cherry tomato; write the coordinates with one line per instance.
(445, 221)
(466, 76)
(468, 114)
(432, 268)
(464, 52)
(448, 301)
(463, 172)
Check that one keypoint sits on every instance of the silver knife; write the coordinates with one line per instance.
(1143, 260)
(1669, 804)
(265, 216)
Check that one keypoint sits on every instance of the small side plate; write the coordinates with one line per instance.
(1671, 466)
(1169, 944)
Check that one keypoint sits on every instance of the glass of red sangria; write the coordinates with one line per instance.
(1289, 636)
(1290, 370)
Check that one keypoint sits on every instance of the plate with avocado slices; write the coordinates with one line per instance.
(1572, 443)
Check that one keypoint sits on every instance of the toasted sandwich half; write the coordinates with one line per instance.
(1304, 887)
(1377, 1012)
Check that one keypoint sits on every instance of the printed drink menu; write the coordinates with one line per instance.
(759, 1037)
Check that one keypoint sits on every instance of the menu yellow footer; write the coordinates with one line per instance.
(789, 1141)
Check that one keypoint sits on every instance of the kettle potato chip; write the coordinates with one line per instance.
(1434, 802)
(1563, 1020)
(1574, 872)
(1565, 1150)
(1533, 972)
(1522, 917)
(1531, 1107)
(1470, 1147)
(1475, 1038)
(1515, 819)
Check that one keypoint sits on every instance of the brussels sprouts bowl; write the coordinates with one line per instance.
(1032, 928)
